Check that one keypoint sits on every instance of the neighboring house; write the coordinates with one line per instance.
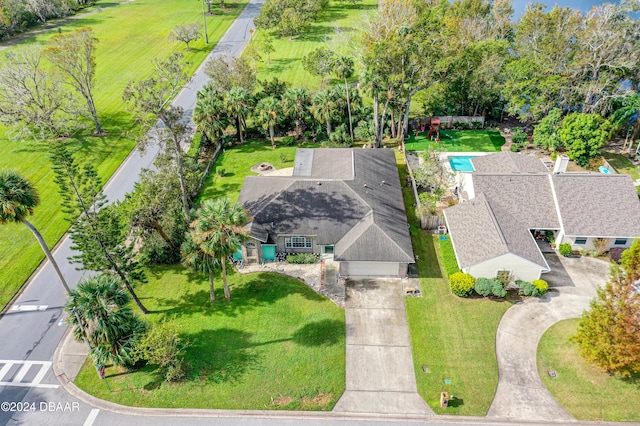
(345, 203)
(509, 198)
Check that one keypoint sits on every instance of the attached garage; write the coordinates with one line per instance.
(379, 269)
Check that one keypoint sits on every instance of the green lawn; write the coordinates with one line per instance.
(276, 345)
(622, 164)
(236, 163)
(286, 62)
(585, 391)
(453, 337)
(130, 36)
(460, 141)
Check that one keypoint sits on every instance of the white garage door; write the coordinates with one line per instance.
(373, 268)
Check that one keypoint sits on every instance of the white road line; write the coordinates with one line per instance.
(30, 385)
(43, 370)
(91, 417)
(26, 308)
(22, 372)
(5, 369)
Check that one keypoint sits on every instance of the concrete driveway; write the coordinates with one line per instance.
(380, 375)
(521, 394)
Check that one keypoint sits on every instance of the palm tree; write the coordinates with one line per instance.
(323, 108)
(198, 261)
(18, 198)
(218, 231)
(99, 309)
(210, 114)
(238, 102)
(296, 105)
(268, 113)
(343, 68)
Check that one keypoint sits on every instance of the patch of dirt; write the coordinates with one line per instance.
(320, 400)
(281, 400)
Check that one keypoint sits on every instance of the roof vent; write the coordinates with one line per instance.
(318, 183)
(383, 182)
(365, 185)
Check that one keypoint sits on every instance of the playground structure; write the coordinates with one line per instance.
(434, 129)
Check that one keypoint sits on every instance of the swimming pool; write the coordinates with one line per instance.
(461, 163)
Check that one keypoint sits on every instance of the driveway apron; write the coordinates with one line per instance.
(380, 374)
(521, 393)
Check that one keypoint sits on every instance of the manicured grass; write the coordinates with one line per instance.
(449, 261)
(237, 161)
(276, 345)
(585, 391)
(460, 141)
(130, 36)
(286, 60)
(622, 164)
(453, 337)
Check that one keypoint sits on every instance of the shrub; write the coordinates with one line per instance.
(519, 137)
(461, 284)
(302, 258)
(288, 140)
(526, 288)
(483, 286)
(541, 285)
(514, 148)
(163, 346)
(448, 256)
(565, 249)
(498, 289)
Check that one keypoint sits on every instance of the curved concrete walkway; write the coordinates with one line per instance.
(521, 393)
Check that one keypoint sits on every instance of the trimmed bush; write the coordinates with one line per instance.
(526, 288)
(301, 258)
(565, 249)
(461, 284)
(541, 285)
(514, 148)
(448, 256)
(483, 286)
(498, 289)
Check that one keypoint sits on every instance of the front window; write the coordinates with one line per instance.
(580, 241)
(620, 242)
(297, 242)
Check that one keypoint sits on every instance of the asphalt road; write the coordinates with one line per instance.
(32, 327)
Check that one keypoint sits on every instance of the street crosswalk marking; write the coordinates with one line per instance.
(26, 308)
(23, 369)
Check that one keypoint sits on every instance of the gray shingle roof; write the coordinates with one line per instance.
(508, 162)
(481, 231)
(598, 205)
(527, 197)
(346, 197)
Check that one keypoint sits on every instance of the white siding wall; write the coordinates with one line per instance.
(520, 268)
(589, 245)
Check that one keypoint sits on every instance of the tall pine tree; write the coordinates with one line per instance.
(96, 230)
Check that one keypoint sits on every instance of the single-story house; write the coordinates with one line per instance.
(510, 198)
(339, 202)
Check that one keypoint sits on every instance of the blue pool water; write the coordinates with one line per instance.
(461, 163)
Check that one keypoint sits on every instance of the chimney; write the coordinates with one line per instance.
(562, 161)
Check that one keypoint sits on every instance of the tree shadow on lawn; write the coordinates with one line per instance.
(220, 355)
(278, 66)
(265, 288)
(496, 139)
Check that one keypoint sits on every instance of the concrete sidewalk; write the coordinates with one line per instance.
(380, 374)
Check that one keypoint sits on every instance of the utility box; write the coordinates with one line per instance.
(444, 399)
